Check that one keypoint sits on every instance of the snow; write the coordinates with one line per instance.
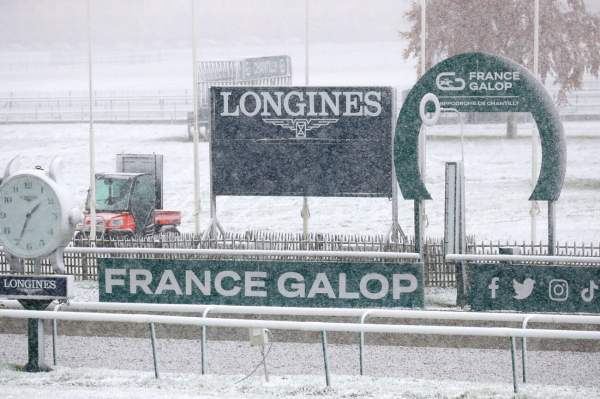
(94, 367)
(103, 383)
(497, 189)
(497, 171)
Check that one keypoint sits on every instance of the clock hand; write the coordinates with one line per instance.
(35, 208)
(28, 217)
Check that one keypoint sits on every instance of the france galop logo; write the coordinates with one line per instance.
(447, 81)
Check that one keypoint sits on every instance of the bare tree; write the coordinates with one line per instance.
(569, 36)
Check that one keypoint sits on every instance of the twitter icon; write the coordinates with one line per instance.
(524, 289)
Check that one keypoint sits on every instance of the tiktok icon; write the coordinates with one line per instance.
(587, 294)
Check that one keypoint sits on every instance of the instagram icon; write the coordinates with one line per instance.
(558, 290)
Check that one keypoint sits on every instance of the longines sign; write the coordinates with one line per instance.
(262, 283)
(316, 141)
(35, 287)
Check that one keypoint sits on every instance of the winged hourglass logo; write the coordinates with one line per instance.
(300, 126)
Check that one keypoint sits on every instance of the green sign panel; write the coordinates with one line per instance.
(530, 288)
(262, 283)
(478, 82)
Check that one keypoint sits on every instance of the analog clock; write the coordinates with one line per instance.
(36, 219)
(30, 216)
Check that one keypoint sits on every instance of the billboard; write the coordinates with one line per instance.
(479, 82)
(302, 141)
(534, 288)
(262, 283)
(265, 67)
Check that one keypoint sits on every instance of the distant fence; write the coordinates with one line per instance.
(438, 272)
(173, 106)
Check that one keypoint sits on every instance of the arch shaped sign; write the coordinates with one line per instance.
(479, 82)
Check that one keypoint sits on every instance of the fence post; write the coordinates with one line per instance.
(54, 334)
(361, 344)
(203, 343)
(514, 366)
(325, 359)
(524, 351)
(153, 340)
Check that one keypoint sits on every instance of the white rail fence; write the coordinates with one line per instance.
(172, 106)
(323, 327)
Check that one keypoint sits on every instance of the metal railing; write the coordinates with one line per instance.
(324, 327)
(437, 271)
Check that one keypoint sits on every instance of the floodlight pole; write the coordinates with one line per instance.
(92, 146)
(419, 207)
(305, 212)
(196, 132)
(534, 137)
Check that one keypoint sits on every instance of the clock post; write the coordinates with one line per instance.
(36, 222)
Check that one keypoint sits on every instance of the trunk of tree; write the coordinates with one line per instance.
(511, 126)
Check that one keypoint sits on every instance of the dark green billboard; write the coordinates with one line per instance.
(534, 288)
(478, 82)
(262, 283)
(302, 141)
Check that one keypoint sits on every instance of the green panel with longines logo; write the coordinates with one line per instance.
(534, 288)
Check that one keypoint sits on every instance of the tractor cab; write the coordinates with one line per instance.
(129, 202)
(125, 203)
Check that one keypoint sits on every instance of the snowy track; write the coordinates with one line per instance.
(92, 367)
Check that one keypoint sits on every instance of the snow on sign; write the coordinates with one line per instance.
(534, 288)
(313, 141)
(262, 283)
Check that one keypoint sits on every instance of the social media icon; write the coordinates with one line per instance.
(587, 294)
(493, 287)
(558, 290)
(524, 289)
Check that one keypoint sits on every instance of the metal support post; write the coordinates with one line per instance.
(203, 344)
(551, 228)
(418, 229)
(396, 231)
(305, 214)
(533, 211)
(153, 340)
(361, 344)
(325, 358)
(36, 356)
(524, 350)
(196, 132)
(54, 334)
(514, 365)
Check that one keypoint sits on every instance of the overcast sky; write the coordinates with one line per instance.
(167, 22)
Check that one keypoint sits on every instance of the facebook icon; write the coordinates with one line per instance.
(493, 287)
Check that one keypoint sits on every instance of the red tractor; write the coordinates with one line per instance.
(129, 202)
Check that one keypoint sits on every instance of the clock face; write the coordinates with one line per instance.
(30, 216)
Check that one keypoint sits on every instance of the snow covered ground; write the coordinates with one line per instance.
(86, 383)
(93, 367)
(497, 172)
